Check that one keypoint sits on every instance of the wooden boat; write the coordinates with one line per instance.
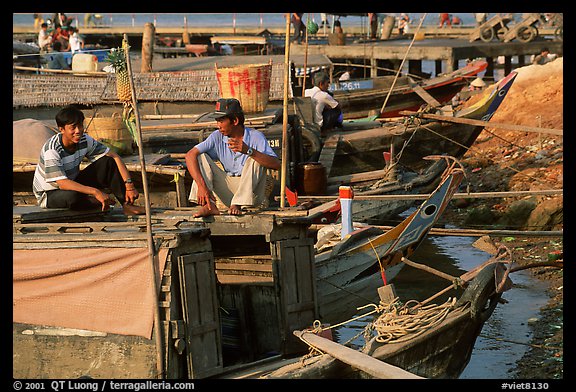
(365, 97)
(78, 264)
(380, 182)
(355, 156)
(353, 264)
(359, 146)
(273, 292)
(441, 351)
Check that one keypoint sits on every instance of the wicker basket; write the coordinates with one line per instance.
(110, 131)
(248, 83)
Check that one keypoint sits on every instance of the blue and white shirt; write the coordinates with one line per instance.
(216, 146)
(56, 163)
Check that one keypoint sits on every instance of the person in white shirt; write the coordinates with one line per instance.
(345, 76)
(44, 38)
(76, 42)
(327, 111)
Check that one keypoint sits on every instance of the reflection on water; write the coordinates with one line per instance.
(491, 358)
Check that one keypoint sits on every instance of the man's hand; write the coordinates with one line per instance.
(237, 145)
(131, 194)
(104, 199)
(204, 196)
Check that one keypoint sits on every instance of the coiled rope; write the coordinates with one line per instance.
(399, 323)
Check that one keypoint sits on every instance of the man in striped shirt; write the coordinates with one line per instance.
(59, 182)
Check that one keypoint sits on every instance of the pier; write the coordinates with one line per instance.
(439, 50)
(444, 46)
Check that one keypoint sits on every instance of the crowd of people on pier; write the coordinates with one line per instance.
(57, 35)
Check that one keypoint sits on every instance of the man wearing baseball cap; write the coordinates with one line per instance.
(244, 154)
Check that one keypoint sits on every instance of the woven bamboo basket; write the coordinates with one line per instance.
(248, 83)
(110, 131)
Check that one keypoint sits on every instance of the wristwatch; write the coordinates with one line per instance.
(128, 181)
(250, 151)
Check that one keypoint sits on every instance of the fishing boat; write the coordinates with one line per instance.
(360, 146)
(365, 97)
(439, 347)
(347, 269)
(225, 301)
(398, 158)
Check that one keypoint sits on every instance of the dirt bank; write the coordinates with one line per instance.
(503, 160)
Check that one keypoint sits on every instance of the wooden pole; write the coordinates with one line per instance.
(305, 57)
(285, 115)
(151, 250)
(185, 34)
(469, 121)
(147, 48)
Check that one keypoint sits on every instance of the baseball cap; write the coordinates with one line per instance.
(227, 106)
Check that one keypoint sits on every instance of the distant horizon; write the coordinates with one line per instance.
(229, 19)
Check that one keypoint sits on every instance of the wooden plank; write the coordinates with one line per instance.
(328, 152)
(357, 177)
(244, 279)
(374, 367)
(512, 127)
(151, 159)
(31, 214)
(423, 93)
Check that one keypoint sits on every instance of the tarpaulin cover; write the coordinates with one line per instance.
(98, 289)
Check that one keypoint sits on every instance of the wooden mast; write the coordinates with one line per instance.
(285, 115)
(150, 239)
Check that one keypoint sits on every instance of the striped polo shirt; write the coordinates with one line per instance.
(56, 163)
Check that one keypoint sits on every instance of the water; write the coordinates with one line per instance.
(228, 19)
(491, 359)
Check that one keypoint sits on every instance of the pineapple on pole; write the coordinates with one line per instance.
(120, 60)
(117, 59)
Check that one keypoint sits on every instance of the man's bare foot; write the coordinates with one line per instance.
(235, 210)
(207, 210)
(130, 209)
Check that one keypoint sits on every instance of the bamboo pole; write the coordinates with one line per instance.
(305, 57)
(153, 273)
(402, 63)
(60, 71)
(285, 115)
(475, 232)
(469, 121)
(474, 195)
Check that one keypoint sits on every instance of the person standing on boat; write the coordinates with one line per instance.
(403, 21)
(373, 20)
(59, 182)
(445, 20)
(244, 154)
(299, 27)
(327, 111)
(76, 41)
